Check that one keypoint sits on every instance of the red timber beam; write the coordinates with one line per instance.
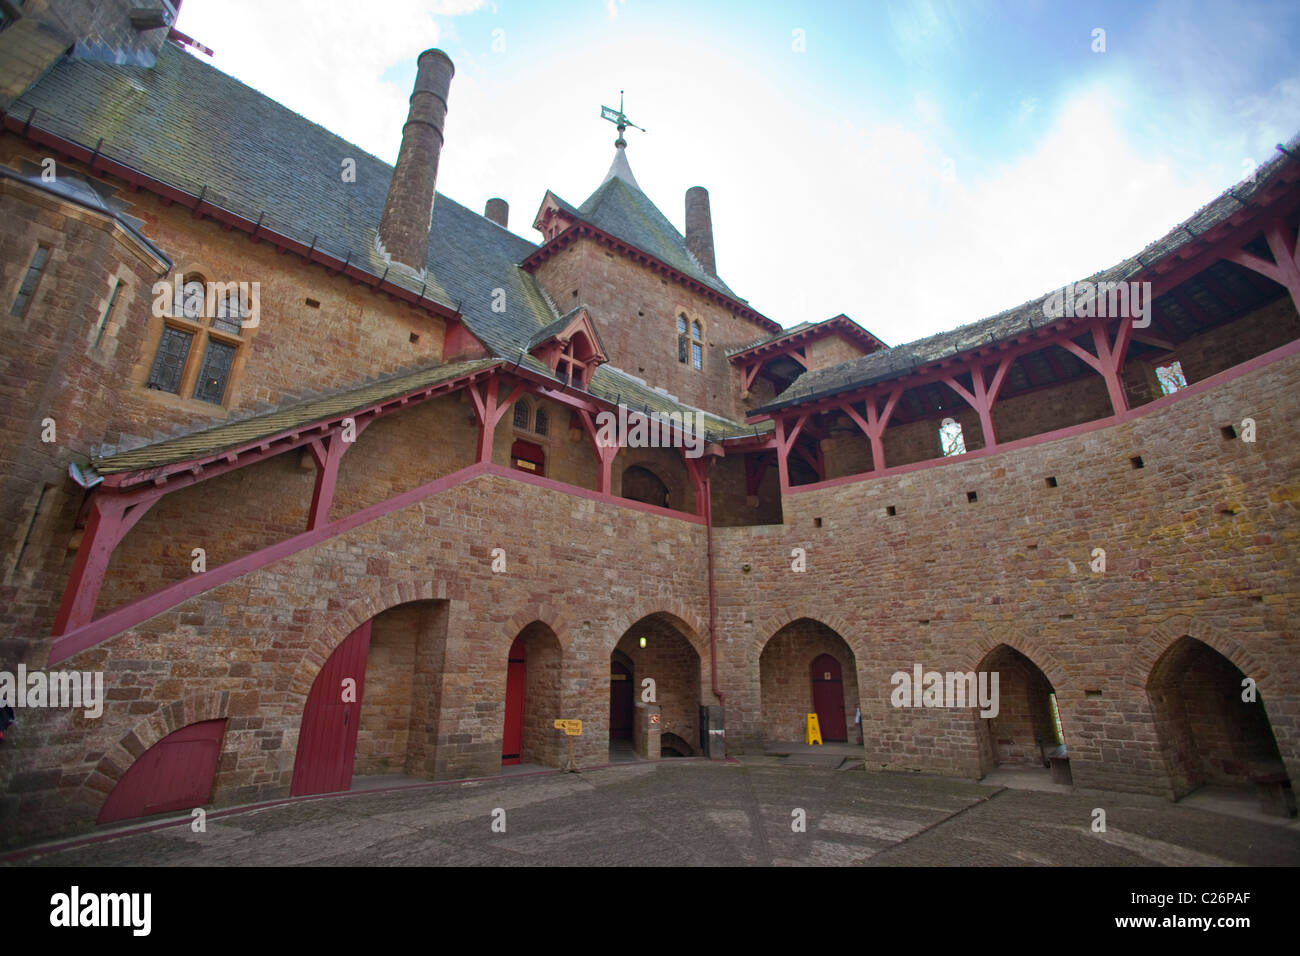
(756, 465)
(786, 436)
(1285, 267)
(111, 517)
(489, 412)
(327, 452)
(122, 499)
(984, 395)
(606, 451)
(874, 426)
(699, 469)
(1109, 360)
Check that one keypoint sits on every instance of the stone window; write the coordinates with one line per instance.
(521, 414)
(215, 373)
(200, 342)
(697, 346)
(108, 312)
(169, 364)
(951, 441)
(681, 339)
(28, 288)
(540, 421)
(1171, 377)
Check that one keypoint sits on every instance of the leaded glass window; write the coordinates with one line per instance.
(169, 363)
(215, 373)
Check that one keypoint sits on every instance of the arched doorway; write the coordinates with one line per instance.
(1210, 730)
(373, 707)
(532, 703)
(642, 484)
(656, 647)
(176, 773)
(1026, 733)
(805, 668)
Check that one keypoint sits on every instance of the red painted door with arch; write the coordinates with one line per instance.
(176, 773)
(512, 740)
(327, 741)
(828, 698)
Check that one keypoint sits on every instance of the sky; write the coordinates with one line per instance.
(914, 165)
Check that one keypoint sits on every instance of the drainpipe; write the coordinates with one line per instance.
(713, 611)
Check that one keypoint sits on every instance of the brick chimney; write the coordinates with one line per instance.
(408, 210)
(699, 228)
(498, 210)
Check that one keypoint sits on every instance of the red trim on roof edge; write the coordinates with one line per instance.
(136, 179)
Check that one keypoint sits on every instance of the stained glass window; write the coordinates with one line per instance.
(215, 373)
(169, 363)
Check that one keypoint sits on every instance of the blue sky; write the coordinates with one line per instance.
(915, 165)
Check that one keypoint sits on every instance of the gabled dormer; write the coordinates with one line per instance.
(571, 347)
(554, 216)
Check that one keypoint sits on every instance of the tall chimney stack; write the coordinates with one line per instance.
(699, 228)
(498, 210)
(408, 210)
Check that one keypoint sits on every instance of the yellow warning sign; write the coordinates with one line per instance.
(571, 728)
(813, 734)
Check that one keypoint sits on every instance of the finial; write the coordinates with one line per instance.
(619, 119)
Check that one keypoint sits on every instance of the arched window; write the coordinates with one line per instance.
(951, 441)
(697, 346)
(642, 484)
(540, 421)
(210, 317)
(681, 339)
(522, 412)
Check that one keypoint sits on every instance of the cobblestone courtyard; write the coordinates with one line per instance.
(696, 813)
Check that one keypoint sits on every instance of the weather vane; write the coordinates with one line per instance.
(619, 119)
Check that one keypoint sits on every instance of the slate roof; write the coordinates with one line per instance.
(900, 360)
(187, 124)
(622, 210)
(222, 437)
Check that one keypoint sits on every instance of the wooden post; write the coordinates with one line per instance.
(109, 520)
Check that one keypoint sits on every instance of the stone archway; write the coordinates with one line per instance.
(656, 647)
(1211, 728)
(789, 689)
(533, 698)
(1026, 730)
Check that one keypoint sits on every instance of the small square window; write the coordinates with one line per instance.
(1171, 377)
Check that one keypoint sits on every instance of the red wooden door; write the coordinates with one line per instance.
(174, 774)
(620, 700)
(327, 740)
(512, 740)
(828, 698)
